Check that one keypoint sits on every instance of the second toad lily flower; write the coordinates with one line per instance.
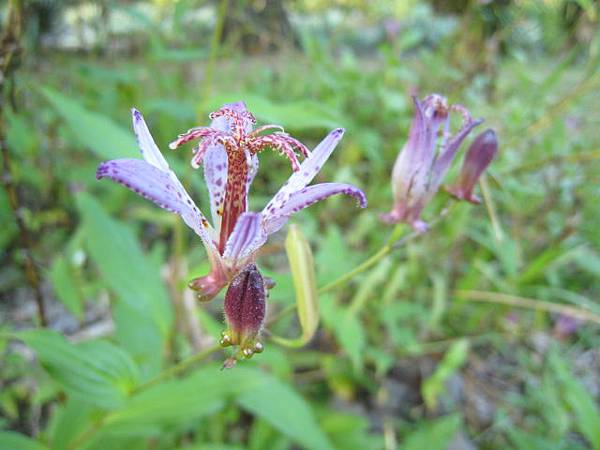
(228, 151)
(426, 158)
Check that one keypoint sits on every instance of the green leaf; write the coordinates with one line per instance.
(70, 420)
(440, 301)
(282, 407)
(454, 358)
(178, 401)
(124, 267)
(350, 431)
(95, 371)
(212, 447)
(93, 130)
(587, 415)
(347, 328)
(369, 286)
(143, 341)
(434, 435)
(65, 286)
(333, 258)
(302, 267)
(526, 441)
(206, 391)
(14, 441)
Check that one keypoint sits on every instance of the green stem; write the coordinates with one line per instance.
(10, 51)
(178, 368)
(580, 157)
(557, 109)
(383, 251)
(392, 243)
(180, 240)
(214, 48)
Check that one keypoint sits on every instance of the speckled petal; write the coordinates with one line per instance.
(308, 170)
(215, 173)
(149, 150)
(161, 187)
(252, 171)
(303, 198)
(247, 237)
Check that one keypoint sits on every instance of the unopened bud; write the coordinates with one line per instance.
(479, 156)
(245, 312)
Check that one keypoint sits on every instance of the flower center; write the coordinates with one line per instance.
(232, 127)
(235, 194)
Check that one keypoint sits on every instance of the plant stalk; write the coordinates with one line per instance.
(10, 50)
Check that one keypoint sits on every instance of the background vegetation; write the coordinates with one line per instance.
(481, 334)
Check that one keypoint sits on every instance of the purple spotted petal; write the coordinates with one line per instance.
(247, 237)
(163, 188)
(223, 123)
(252, 171)
(149, 150)
(308, 170)
(215, 173)
(274, 219)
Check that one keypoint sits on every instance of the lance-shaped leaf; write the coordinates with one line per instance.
(97, 372)
(14, 440)
(302, 267)
(453, 360)
(93, 130)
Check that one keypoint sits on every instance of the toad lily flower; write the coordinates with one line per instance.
(421, 166)
(228, 152)
(479, 156)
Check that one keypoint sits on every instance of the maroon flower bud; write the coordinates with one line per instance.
(245, 311)
(478, 158)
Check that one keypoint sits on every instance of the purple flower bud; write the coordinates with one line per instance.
(425, 158)
(245, 311)
(479, 156)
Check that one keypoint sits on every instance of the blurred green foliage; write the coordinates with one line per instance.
(401, 358)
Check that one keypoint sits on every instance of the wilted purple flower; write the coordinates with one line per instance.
(245, 311)
(425, 158)
(228, 152)
(479, 156)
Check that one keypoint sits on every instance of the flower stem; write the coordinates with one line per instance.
(9, 62)
(178, 368)
(491, 209)
(528, 303)
(575, 158)
(214, 47)
(383, 251)
(393, 242)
